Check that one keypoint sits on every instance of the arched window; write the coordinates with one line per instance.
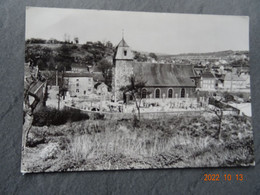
(170, 92)
(157, 93)
(144, 92)
(182, 93)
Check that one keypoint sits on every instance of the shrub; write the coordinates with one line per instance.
(52, 116)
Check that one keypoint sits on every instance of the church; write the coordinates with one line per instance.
(162, 80)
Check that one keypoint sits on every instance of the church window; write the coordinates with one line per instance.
(143, 93)
(170, 92)
(182, 93)
(157, 93)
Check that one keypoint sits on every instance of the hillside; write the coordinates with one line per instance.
(49, 56)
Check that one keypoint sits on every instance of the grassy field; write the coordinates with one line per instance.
(164, 143)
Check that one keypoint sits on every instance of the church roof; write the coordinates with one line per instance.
(123, 51)
(122, 43)
(155, 74)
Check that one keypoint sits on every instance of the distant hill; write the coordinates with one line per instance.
(208, 54)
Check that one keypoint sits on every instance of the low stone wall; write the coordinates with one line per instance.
(151, 115)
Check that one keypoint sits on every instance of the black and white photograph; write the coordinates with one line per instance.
(119, 90)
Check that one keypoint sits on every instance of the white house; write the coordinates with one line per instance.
(233, 82)
(207, 82)
(79, 84)
(102, 89)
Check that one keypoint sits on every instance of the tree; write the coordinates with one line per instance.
(135, 90)
(218, 111)
(139, 57)
(76, 40)
(106, 68)
(153, 55)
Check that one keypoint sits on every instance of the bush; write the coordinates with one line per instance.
(52, 116)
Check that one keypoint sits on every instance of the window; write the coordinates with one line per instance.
(77, 90)
(77, 84)
(170, 92)
(125, 52)
(143, 93)
(89, 89)
(89, 79)
(84, 92)
(77, 79)
(182, 93)
(157, 93)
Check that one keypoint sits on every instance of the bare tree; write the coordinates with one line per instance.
(135, 90)
(219, 113)
(218, 110)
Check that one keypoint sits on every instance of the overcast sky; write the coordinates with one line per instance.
(143, 31)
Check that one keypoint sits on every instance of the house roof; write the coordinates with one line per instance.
(207, 75)
(98, 76)
(78, 74)
(99, 85)
(233, 77)
(36, 87)
(79, 66)
(155, 74)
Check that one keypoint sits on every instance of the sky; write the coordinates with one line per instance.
(164, 33)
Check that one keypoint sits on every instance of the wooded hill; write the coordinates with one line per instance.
(49, 56)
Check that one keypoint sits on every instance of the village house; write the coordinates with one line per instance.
(101, 88)
(208, 82)
(163, 80)
(234, 82)
(78, 84)
(79, 68)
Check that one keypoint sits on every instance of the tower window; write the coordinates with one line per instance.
(125, 52)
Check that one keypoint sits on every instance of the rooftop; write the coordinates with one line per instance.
(164, 74)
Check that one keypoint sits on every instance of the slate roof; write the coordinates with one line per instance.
(207, 75)
(34, 89)
(122, 43)
(164, 74)
(233, 77)
(77, 74)
(98, 77)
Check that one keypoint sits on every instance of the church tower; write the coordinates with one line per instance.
(123, 51)
(123, 68)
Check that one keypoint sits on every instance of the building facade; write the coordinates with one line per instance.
(208, 82)
(162, 80)
(79, 84)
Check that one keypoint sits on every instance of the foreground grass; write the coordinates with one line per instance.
(163, 143)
